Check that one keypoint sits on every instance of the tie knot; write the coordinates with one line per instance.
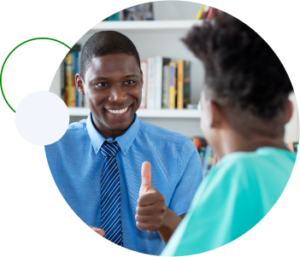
(110, 149)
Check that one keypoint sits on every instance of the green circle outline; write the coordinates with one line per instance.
(32, 39)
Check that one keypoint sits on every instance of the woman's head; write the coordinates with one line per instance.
(245, 81)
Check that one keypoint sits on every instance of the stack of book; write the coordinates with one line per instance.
(141, 12)
(70, 67)
(206, 12)
(208, 157)
(166, 83)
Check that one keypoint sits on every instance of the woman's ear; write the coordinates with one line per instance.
(289, 111)
(216, 117)
(79, 84)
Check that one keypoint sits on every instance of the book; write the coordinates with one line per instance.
(158, 80)
(294, 147)
(186, 83)
(176, 85)
(199, 14)
(63, 82)
(75, 93)
(172, 90)
(209, 160)
(69, 80)
(205, 12)
(144, 66)
(113, 17)
(166, 85)
(139, 12)
(183, 83)
(180, 84)
(150, 82)
(70, 67)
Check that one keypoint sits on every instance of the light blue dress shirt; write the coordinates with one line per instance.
(76, 163)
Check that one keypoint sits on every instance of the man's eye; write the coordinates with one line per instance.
(129, 82)
(101, 84)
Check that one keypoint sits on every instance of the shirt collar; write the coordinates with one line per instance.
(125, 141)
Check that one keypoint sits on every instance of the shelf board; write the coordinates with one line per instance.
(144, 113)
(145, 25)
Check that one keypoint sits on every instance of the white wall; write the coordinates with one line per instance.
(167, 44)
(292, 128)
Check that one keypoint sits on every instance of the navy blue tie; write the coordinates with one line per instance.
(111, 194)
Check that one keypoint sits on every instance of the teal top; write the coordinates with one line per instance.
(233, 197)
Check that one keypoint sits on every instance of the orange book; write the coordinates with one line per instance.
(69, 81)
(180, 84)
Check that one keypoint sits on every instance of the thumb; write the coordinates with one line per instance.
(146, 177)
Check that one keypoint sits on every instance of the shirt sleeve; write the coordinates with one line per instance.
(190, 168)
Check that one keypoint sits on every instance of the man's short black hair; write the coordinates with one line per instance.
(242, 71)
(104, 43)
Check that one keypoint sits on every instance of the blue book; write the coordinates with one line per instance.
(75, 69)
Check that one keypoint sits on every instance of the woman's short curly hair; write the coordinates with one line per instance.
(104, 43)
(241, 68)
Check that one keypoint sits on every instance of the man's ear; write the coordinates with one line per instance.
(79, 84)
(289, 111)
(142, 78)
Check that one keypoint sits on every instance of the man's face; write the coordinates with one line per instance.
(113, 87)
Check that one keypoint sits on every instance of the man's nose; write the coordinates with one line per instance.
(117, 94)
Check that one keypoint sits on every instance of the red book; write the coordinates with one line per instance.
(210, 12)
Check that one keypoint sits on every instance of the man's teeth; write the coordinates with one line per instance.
(118, 111)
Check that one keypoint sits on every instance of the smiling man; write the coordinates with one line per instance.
(97, 164)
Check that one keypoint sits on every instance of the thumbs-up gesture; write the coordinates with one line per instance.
(151, 209)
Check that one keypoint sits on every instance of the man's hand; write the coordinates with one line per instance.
(151, 210)
(98, 230)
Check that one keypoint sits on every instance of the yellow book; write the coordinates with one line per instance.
(69, 86)
(172, 91)
(180, 84)
(200, 12)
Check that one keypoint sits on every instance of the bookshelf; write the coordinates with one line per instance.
(144, 113)
(123, 26)
(152, 38)
(162, 37)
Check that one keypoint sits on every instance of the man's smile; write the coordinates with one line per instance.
(118, 111)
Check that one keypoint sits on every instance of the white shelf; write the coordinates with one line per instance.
(144, 113)
(145, 25)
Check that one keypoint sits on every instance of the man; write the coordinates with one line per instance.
(97, 163)
(245, 107)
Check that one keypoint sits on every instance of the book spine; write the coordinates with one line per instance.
(63, 81)
(74, 71)
(176, 85)
(210, 13)
(150, 86)
(68, 65)
(158, 82)
(206, 165)
(186, 83)
(144, 90)
(198, 17)
(166, 85)
(180, 85)
(172, 86)
(291, 147)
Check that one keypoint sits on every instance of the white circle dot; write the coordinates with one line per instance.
(42, 118)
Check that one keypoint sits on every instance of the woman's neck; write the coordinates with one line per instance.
(233, 142)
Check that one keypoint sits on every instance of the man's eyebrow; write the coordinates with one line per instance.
(105, 78)
(131, 75)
